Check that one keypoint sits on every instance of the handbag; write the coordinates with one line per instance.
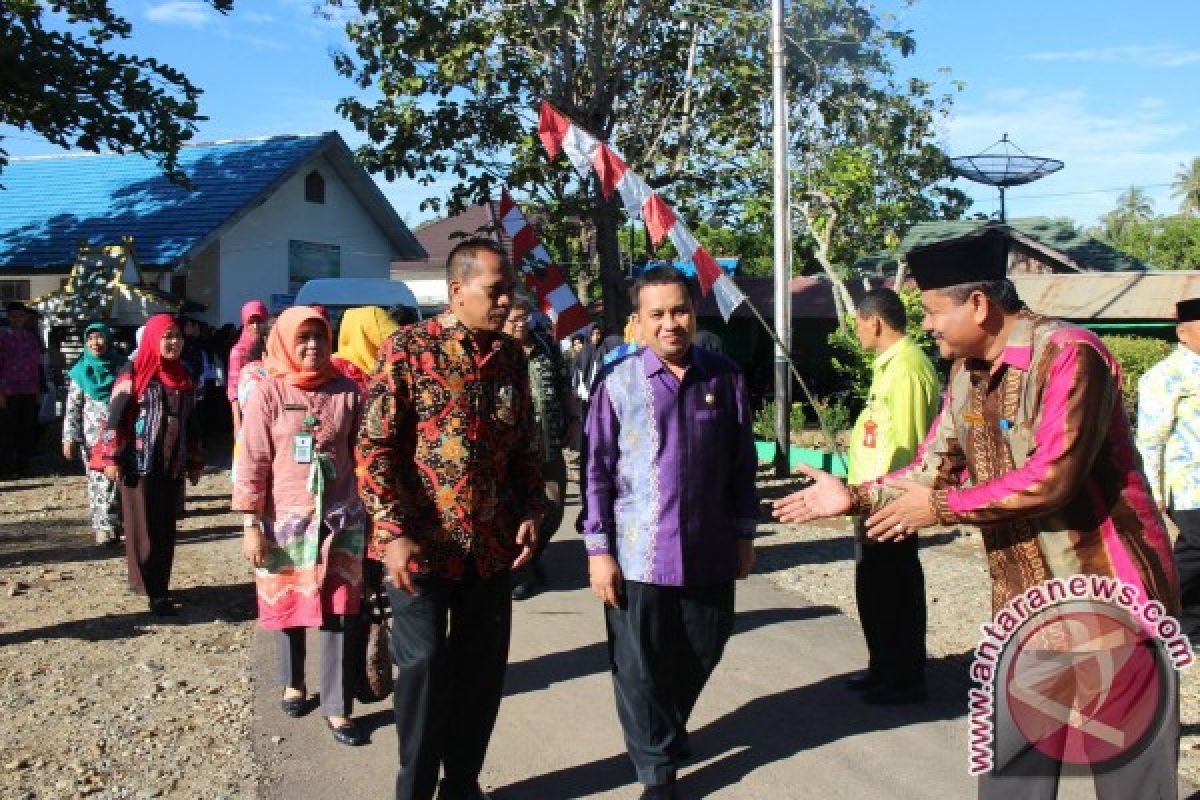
(377, 679)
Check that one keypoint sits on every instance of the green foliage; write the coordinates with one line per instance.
(1135, 354)
(836, 414)
(451, 89)
(1187, 187)
(64, 81)
(1161, 242)
(764, 420)
(854, 363)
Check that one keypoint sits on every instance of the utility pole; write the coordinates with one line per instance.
(783, 243)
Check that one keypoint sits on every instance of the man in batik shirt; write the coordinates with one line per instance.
(668, 521)
(1032, 445)
(1168, 436)
(450, 468)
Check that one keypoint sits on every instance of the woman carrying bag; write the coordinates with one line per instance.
(151, 441)
(303, 523)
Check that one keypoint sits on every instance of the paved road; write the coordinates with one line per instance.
(774, 722)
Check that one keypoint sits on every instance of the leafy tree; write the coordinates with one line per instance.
(1187, 187)
(63, 79)
(451, 87)
(1162, 242)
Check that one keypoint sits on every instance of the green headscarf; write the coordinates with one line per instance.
(96, 374)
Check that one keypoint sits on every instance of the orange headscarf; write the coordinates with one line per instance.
(280, 360)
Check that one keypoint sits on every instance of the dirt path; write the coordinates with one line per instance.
(101, 700)
(98, 698)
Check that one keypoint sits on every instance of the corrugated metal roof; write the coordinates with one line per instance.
(50, 204)
(1113, 297)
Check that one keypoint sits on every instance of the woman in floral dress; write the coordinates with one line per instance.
(91, 383)
(303, 522)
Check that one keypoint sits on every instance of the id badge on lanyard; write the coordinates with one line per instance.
(302, 448)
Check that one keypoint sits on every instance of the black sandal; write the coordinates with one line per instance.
(295, 707)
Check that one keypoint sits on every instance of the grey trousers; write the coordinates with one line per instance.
(1032, 775)
(337, 696)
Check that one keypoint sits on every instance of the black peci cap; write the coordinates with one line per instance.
(980, 256)
(1188, 310)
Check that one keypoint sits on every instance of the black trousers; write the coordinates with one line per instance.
(148, 504)
(450, 643)
(19, 432)
(889, 588)
(663, 644)
(1187, 562)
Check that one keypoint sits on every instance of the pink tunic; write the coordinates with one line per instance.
(314, 566)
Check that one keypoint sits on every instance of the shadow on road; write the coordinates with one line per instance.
(544, 671)
(765, 730)
(197, 605)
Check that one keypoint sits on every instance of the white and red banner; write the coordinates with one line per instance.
(588, 154)
(542, 275)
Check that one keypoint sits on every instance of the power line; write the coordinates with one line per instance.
(1097, 191)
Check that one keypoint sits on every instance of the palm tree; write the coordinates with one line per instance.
(1187, 187)
(1133, 203)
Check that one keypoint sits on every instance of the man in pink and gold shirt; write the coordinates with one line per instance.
(1034, 447)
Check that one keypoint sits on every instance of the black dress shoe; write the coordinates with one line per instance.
(474, 792)
(294, 707)
(163, 607)
(863, 681)
(348, 734)
(660, 791)
(895, 695)
(525, 590)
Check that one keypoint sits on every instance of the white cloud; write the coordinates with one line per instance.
(193, 13)
(1105, 148)
(253, 17)
(1158, 55)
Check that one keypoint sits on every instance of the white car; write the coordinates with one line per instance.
(339, 294)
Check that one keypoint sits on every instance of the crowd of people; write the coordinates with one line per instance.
(426, 461)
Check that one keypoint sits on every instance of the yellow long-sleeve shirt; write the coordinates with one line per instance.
(900, 408)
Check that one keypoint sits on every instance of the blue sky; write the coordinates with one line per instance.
(1108, 86)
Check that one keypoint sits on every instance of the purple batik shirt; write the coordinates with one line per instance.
(20, 357)
(669, 469)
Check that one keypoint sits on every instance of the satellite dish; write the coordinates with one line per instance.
(1003, 165)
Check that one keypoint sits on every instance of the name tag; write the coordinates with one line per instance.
(302, 448)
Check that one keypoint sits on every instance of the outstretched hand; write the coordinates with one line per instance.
(827, 497)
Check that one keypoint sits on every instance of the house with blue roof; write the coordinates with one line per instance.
(260, 217)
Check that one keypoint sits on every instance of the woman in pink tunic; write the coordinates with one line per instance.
(303, 524)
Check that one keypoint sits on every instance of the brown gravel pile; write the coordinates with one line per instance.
(98, 699)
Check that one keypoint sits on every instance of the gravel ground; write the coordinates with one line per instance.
(101, 700)
(816, 561)
(98, 698)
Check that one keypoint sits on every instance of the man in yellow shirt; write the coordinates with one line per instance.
(889, 585)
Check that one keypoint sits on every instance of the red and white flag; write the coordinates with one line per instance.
(542, 275)
(588, 154)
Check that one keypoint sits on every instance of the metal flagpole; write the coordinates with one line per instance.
(783, 244)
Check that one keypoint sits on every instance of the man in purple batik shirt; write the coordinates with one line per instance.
(20, 389)
(668, 521)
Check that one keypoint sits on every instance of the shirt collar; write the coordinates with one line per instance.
(883, 358)
(653, 364)
(1018, 350)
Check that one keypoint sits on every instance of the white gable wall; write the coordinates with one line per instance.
(254, 252)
